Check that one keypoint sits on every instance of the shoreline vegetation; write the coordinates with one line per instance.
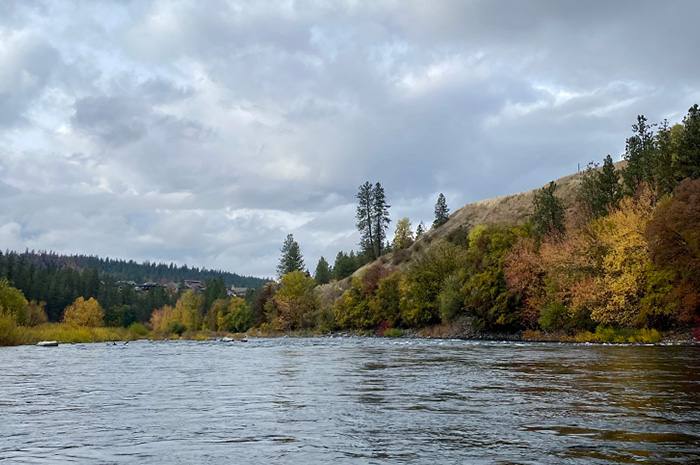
(66, 334)
(608, 255)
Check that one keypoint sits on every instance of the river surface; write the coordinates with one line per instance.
(355, 401)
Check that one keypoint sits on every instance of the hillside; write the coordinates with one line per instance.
(515, 208)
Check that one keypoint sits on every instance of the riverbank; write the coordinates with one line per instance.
(65, 334)
(13, 335)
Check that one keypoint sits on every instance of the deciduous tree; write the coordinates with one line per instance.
(674, 231)
(295, 305)
(12, 302)
(84, 313)
(403, 236)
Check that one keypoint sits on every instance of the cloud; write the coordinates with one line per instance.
(155, 130)
(28, 63)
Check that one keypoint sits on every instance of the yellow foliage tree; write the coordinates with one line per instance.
(403, 237)
(84, 313)
(12, 302)
(226, 310)
(187, 310)
(295, 305)
(627, 261)
(36, 313)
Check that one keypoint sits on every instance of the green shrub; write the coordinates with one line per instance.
(175, 327)
(450, 299)
(646, 336)
(585, 336)
(553, 316)
(9, 334)
(611, 335)
(138, 329)
(393, 332)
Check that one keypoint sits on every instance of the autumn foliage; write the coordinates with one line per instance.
(84, 313)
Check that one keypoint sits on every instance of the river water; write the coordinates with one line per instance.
(356, 401)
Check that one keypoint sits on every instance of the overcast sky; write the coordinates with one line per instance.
(205, 132)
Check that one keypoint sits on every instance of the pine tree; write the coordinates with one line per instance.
(548, 215)
(381, 217)
(365, 217)
(640, 153)
(600, 187)
(689, 146)
(420, 230)
(291, 259)
(667, 142)
(323, 273)
(372, 218)
(344, 265)
(442, 213)
(609, 184)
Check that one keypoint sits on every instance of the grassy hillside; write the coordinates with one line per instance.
(515, 208)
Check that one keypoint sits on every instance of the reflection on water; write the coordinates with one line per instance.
(351, 401)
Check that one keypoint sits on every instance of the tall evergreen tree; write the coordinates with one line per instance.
(323, 273)
(689, 145)
(291, 259)
(215, 288)
(442, 213)
(420, 230)
(640, 153)
(372, 216)
(600, 187)
(548, 215)
(344, 265)
(665, 172)
(365, 216)
(381, 217)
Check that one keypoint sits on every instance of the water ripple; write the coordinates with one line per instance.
(353, 400)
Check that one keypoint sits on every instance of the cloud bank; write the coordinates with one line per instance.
(205, 133)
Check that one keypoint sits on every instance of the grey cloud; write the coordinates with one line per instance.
(28, 63)
(159, 90)
(115, 121)
(183, 115)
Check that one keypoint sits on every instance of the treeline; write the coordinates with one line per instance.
(114, 308)
(57, 288)
(133, 271)
(624, 260)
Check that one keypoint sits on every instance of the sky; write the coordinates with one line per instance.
(202, 133)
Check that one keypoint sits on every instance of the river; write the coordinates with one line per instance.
(349, 400)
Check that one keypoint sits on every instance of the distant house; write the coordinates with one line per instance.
(195, 285)
(237, 291)
(147, 286)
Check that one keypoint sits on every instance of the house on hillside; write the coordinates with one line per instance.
(147, 286)
(237, 291)
(195, 284)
